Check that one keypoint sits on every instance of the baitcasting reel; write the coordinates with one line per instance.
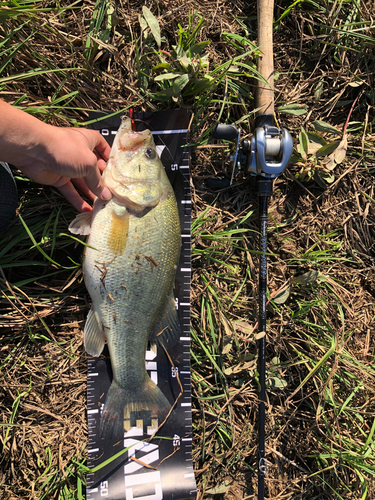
(266, 154)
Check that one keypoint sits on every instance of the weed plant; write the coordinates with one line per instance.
(58, 61)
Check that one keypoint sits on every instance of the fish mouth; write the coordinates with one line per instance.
(128, 139)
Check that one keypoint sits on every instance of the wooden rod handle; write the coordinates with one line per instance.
(264, 97)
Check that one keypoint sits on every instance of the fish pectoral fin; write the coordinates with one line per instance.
(94, 338)
(81, 224)
(167, 329)
(119, 230)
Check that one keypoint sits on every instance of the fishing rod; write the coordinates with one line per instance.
(265, 156)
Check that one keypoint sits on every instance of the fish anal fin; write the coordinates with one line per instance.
(94, 338)
(167, 329)
(81, 224)
(118, 233)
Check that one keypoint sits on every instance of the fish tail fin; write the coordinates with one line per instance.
(121, 405)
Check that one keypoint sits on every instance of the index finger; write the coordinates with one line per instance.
(96, 142)
(102, 147)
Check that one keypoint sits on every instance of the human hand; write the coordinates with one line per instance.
(71, 158)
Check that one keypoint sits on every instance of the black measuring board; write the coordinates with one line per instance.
(161, 468)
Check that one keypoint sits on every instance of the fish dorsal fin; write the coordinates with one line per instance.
(81, 224)
(94, 338)
(167, 329)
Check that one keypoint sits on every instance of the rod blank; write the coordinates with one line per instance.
(265, 93)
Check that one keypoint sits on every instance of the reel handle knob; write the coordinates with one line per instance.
(227, 132)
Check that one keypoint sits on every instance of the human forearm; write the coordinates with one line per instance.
(54, 155)
(22, 136)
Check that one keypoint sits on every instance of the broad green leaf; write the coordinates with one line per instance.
(198, 48)
(163, 65)
(304, 143)
(294, 109)
(220, 489)
(316, 138)
(142, 22)
(282, 296)
(318, 91)
(328, 177)
(319, 179)
(278, 382)
(325, 127)
(179, 51)
(167, 76)
(169, 92)
(144, 73)
(327, 149)
(153, 24)
(294, 158)
(306, 278)
(180, 83)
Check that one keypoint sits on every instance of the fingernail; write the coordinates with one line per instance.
(106, 194)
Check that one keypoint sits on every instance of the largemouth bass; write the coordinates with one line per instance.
(129, 273)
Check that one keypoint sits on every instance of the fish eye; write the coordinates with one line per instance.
(150, 153)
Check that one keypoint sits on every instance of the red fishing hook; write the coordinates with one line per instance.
(131, 114)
